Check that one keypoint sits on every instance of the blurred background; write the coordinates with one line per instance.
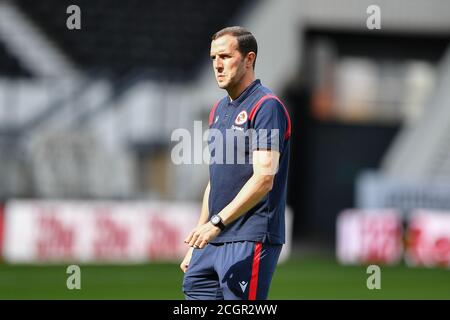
(88, 108)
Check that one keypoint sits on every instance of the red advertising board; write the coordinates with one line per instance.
(369, 236)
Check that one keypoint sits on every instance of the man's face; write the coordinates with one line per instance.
(228, 63)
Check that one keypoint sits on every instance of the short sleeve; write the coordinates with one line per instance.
(270, 126)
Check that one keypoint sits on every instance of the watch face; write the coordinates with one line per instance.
(215, 220)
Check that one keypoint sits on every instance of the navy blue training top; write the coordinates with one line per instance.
(257, 119)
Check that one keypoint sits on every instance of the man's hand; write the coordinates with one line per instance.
(200, 236)
(187, 259)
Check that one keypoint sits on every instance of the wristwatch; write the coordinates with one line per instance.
(217, 221)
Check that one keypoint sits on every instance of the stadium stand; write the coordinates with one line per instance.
(163, 38)
(9, 66)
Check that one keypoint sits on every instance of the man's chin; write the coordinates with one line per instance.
(222, 85)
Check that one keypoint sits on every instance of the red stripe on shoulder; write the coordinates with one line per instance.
(259, 103)
(211, 113)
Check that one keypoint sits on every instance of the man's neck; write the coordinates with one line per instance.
(235, 92)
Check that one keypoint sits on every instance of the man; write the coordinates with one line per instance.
(240, 233)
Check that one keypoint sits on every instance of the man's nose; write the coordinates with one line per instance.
(218, 64)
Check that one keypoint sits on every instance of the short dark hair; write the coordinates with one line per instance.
(245, 39)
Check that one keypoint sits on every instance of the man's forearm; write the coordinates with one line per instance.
(204, 214)
(251, 193)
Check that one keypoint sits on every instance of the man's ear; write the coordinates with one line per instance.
(251, 56)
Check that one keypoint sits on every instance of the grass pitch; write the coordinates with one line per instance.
(299, 278)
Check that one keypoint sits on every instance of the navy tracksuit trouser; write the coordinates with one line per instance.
(239, 270)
